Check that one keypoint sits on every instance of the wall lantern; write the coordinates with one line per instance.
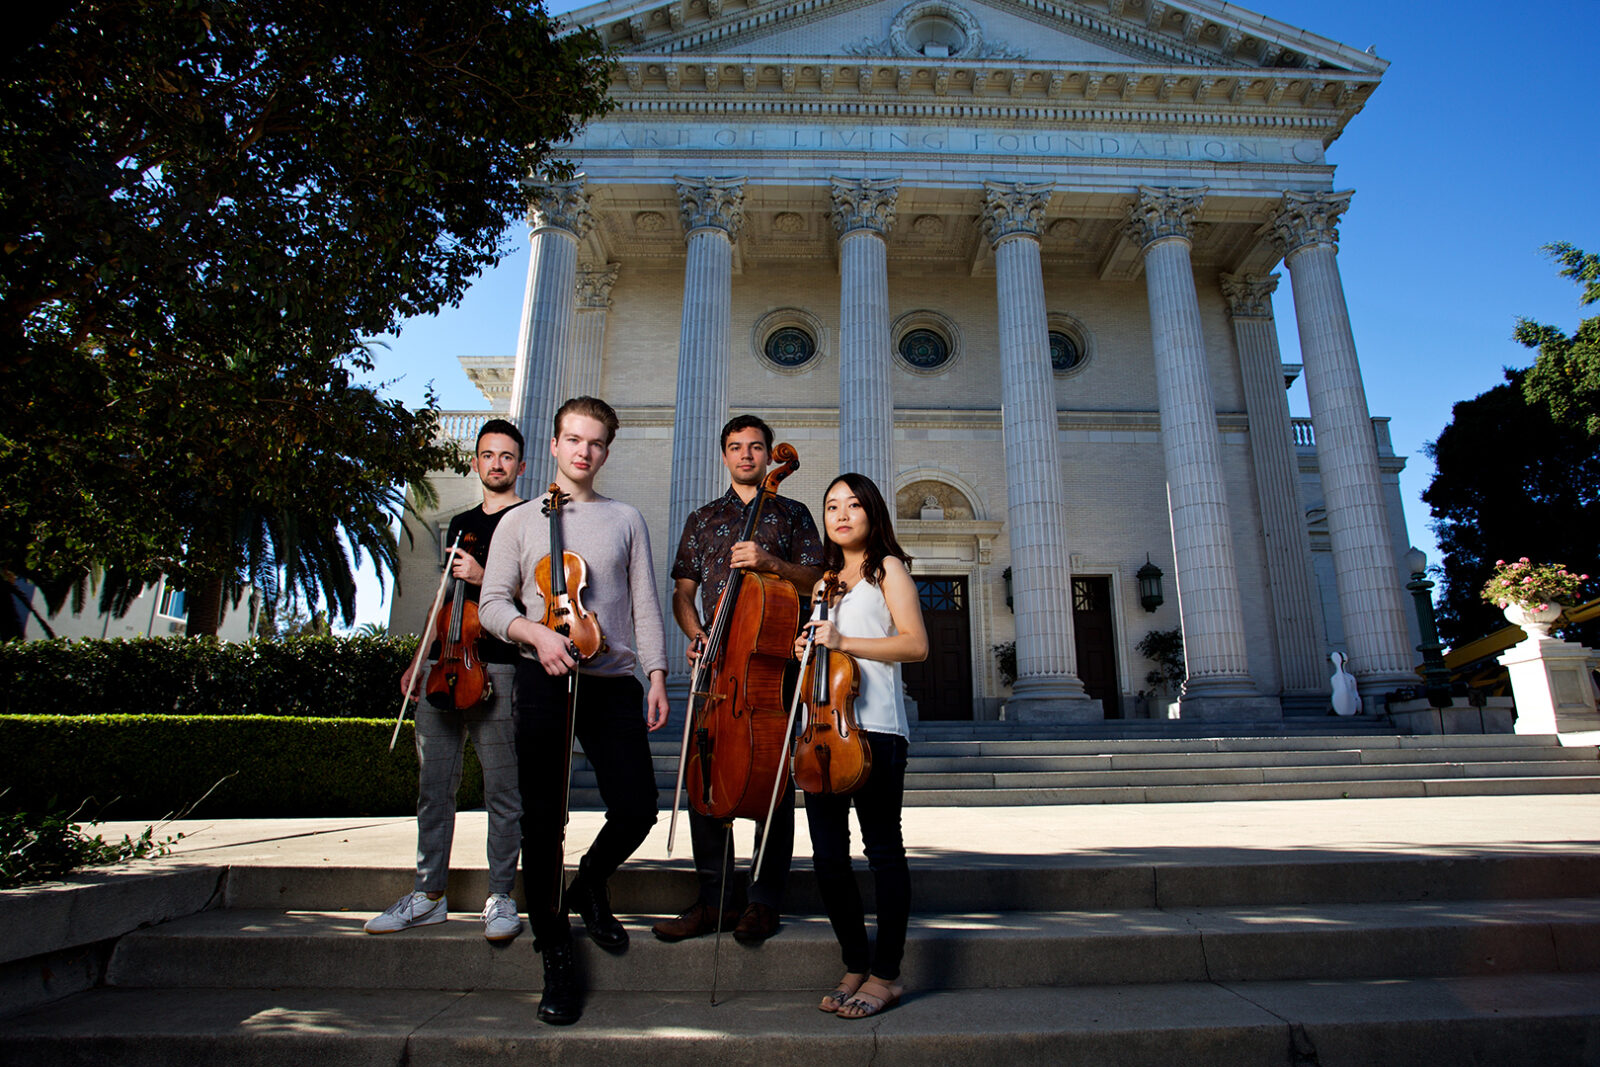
(1006, 574)
(1149, 585)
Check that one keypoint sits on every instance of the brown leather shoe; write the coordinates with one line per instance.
(759, 922)
(698, 920)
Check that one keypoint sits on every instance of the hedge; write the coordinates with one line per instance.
(336, 677)
(150, 766)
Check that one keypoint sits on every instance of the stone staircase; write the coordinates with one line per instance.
(1299, 959)
(988, 764)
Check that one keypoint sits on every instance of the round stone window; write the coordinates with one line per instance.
(1071, 345)
(925, 349)
(1064, 354)
(790, 347)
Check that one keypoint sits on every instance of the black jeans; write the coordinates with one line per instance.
(710, 840)
(610, 724)
(878, 805)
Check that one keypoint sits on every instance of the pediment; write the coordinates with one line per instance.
(1090, 32)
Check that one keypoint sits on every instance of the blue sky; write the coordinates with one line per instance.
(1479, 147)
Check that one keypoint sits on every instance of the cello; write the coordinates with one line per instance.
(736, 720)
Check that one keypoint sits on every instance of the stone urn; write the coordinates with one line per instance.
(1535, 621)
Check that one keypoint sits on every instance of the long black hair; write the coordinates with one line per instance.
(881, 543)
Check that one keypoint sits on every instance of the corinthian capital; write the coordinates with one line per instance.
(1014, 207)
(594, 286)
(715, 202)
(1308, 219)
(1159, 213)
(1249, 296)
(562, 205)
(863, 203)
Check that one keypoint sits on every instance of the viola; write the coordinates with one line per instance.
(831, 754)
(736, 716)
(562, 587)
(458, 679)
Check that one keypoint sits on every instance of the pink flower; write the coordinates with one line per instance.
(1499, 563)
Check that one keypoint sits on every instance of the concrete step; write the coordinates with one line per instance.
(1208, 775)
(1498, 1021)
(945, 951)
(1011, 883)
(1164, 794)
(990, 772)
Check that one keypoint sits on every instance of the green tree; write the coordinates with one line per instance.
(208, 208)
(1509, 482)
(1565, 378)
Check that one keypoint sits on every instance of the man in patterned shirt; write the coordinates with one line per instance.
(785, 544)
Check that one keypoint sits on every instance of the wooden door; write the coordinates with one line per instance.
(1094, 637)
(942, 684)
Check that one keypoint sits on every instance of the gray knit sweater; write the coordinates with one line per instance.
(612, 539)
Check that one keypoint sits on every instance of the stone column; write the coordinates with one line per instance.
(1296, 619)
(863, 211)
(560, 217)
(1214, 644)
(1047, 685)
(713, 212)
(1371, 601)
(589, 333)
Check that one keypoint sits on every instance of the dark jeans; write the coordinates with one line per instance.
(878, 806)
(611, 727)
(709, 838)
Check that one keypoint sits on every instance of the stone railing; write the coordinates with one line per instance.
(462, 426)
(1306, 437)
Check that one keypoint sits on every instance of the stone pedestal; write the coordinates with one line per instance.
(1420, 717)
(1226, 709)
(1550, 680)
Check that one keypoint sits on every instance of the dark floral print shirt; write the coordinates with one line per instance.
(786, 530)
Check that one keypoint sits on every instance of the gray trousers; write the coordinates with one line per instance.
(441, 737)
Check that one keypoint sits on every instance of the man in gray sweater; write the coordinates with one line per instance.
(621, 594)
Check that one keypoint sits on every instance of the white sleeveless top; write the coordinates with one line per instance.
(880, 705)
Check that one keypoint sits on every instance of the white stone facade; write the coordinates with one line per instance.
(1004, 257)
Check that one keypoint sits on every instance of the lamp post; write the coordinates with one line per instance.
(1435, 675)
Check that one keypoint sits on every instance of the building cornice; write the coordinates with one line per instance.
(647, 87)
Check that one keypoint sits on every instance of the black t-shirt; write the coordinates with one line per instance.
(476, 529)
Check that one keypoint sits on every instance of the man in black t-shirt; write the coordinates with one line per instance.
(442, 730)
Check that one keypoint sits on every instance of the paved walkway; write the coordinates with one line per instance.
(1064, 835)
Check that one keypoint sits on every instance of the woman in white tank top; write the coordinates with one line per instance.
(879, 622)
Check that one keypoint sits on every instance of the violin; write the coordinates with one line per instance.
(736, 715)
(562, 587)
(458, 680)
(831, 754)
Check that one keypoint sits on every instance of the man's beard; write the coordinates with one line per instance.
(498, 483)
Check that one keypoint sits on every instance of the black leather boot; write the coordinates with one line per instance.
(593, 904)
(561, 1003)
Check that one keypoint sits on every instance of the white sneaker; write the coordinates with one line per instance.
(413, 909)
(500, 919)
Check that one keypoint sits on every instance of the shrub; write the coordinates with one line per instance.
(34, 848)
(335, 677)
(149, 766)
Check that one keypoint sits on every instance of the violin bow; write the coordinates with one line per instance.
(783, 778)
(416, 661)
(566, 797)
(683, 750)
